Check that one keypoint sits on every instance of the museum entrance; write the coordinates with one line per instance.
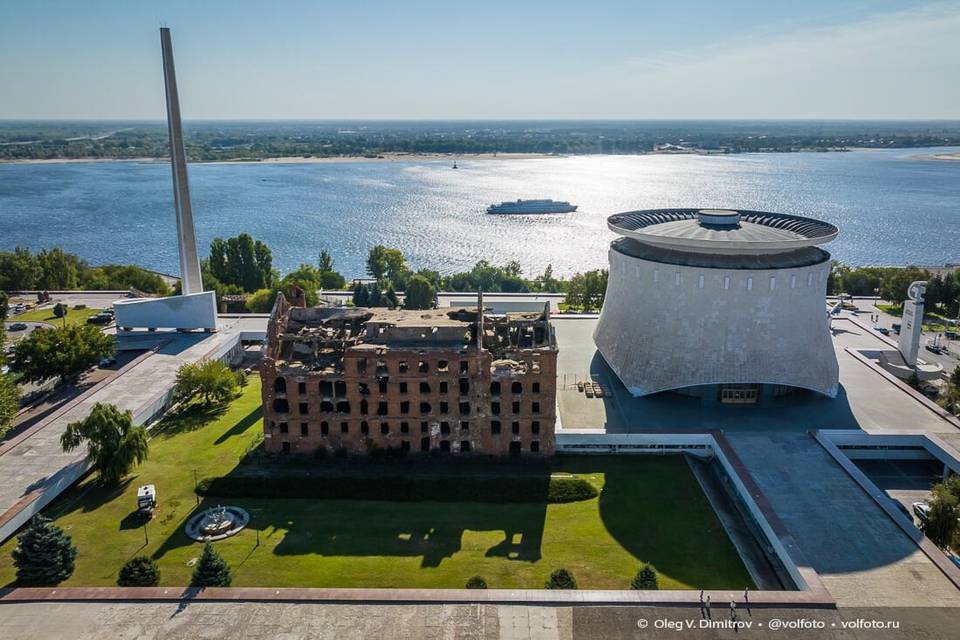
(739, 393)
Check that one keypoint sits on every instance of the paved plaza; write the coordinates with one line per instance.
(36, 469)
(862, 556)
(866, 400)
(287, 621)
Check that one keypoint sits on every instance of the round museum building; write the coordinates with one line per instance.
(725, 305)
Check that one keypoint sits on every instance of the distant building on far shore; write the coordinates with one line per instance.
(439, 380)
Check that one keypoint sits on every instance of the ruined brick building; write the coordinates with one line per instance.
(359, 379)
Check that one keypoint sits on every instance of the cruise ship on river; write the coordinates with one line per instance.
(532, 206)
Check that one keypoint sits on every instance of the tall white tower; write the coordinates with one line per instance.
(194, 308)
(190, 279)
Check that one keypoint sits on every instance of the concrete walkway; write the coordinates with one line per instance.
(862, 556)
(260, 620)
(35, 469)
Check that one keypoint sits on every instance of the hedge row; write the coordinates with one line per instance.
(398, 489)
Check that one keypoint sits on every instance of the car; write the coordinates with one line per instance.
(882, 330)
(108, 362)
(17, 326)
(896, 327)
(100, 318)
(951, 335)
(934, 348)
(922, 511)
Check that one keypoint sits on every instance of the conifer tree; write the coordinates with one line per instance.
(561, 579)
(211, 570)
(646, 578)
(139, 572)
(44, 555)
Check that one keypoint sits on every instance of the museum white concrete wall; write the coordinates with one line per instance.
(667, 326)
(193, 311)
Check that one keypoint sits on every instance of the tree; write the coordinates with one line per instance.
(895, 284)
(113, 442)
(308, 278)
(60, 310)
(9, 403)
(19, 270)
(139, 572)
(211, 570)
(44, 555)
(330, 278)
(242, 261)
(4, 307)
(58, 270)
(123, 276)
(561, 579)
(211, 381)
(420, 294)
(64, 351)
(387, 264)
(646, 578)
(261, 301)
(546, 281)
(361, 295)
(941, 525)
(476, 582)
(587, 290)
(488, 277)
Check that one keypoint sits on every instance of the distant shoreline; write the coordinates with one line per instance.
(385, 157)
(953, 155)
(450, 157)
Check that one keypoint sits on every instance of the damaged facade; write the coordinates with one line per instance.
(360, 379)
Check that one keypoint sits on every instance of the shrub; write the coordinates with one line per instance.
(44, 555)
(570, 490)
(212, 382)
(646, 578)
(561, 579)
(211, 570)
(476, 582)
(139, 572)
(78, 307)
(402, 488)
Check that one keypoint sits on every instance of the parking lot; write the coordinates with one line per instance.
(906, 481)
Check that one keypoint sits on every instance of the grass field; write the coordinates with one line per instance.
(74, 316)
(649, 510)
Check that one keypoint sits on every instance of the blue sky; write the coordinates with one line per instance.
(484, 59)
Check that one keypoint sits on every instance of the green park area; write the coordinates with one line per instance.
(648, 510)
(74, 316)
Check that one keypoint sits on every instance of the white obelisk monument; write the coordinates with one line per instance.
(190, 280)
(194, 308)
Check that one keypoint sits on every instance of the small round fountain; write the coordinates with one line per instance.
(217, 523)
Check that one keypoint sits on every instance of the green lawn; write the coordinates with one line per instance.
(649, 509)
(74, 316)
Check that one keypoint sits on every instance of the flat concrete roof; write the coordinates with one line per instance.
(696, 230)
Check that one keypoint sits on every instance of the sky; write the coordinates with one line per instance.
(488, 59)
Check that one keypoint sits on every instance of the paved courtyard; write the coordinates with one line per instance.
(286, 621)
(866, 400)
(36, 468)
(862, 556)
